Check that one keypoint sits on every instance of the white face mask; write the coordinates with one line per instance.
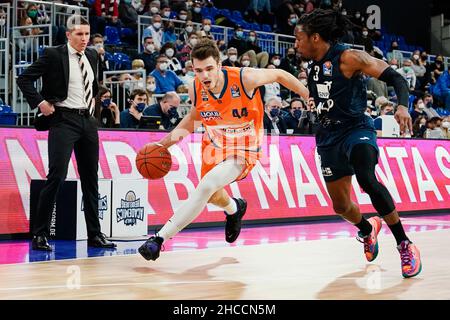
(246, 63)
(416, 57)
(445, 125)
(170, 52)
(421, 106)
(394, 67)
(357, 15)
(166, 14)
(193, 42)
(344, 13)
(150, 48)
(189, 29)
(233, 58)
(163, 66)
(157, 25)
(151, 87)
(305, 65)
(154, 10)
(365, 33)
(251, 38)
(197, 10)
(2, 22)
(304, 82)
(276, 62)
(183, 17)
(207, 28)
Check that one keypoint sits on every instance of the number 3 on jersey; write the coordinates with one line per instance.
(316, 73)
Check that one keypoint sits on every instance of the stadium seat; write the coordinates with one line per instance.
(225, 12)
(121, 61)
(237, 14)
(266, 28)
(205, 11)
(112, 36)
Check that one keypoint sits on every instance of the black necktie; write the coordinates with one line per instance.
(86, 85)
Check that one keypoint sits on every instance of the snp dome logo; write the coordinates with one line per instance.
(130, 210)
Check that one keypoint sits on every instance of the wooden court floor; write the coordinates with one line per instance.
(321, 269)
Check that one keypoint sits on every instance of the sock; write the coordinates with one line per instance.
(231, 208)
(398, 232)
(168, 230)
(364, 226)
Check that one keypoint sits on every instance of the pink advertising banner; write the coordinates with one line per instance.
(286, 183)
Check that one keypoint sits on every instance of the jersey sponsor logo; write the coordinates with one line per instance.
(210, 115)
(235, 92)
(328, 69)
(204, 95)
(326, 172)
(323, 91)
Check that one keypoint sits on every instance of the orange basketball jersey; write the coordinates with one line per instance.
(233, 122)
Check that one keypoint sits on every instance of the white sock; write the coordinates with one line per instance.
(220, 176)
(231, 208)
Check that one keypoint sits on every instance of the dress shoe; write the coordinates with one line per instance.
(40, 243)
(99, 241)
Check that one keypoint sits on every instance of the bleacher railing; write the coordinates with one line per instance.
(5, 13)
(409, 54)
(269, 42)
(25, 50)
(120, 89)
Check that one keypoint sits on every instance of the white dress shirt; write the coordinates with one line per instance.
(75, 95)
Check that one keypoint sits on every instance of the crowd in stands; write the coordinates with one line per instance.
(165, 58)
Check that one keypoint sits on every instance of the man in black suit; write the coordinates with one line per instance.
(69, 85)
(273, 119)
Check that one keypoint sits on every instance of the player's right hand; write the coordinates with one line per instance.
(311, 105)
(46, 108)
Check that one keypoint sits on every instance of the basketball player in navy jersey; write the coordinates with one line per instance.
(346, 138)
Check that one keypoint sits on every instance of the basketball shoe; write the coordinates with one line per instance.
(151, 248)
(410, 258)
(370, 241)
(233, 223)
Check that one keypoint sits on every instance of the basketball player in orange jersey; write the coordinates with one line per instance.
(228, 104)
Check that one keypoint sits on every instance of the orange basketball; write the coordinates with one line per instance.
(153, 161)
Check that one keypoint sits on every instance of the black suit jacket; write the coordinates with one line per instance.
(53, 67)
(269, 126)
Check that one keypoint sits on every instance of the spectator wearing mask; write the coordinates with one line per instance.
(365, 40)
(169, 35)
(206, 27)
(238, 41)
(149, 54)
(298, 119)
(98, 43)
(183, 15)
(27, 42)
(270, 91)
(222, 50)
(276, 60)
(303, 77)
(196, 12)
(129, 118)
(138, 81)
(155, 31)
(419, 109)
(189, 74)
(291, 62)
(445, 127)
(170, 51)
(273, 121)
(309, 6)
(166, 80)
(167, 110)
(245, 60)
(183, 37)
(419, 127)
(106, 111)
(232, 60)
(434, 130)
(393, 53)
(408, 73)
(138, 5)
(387, 109)
(185, 52)
(125, 83)
(376, 86)
(282, 14)
(152, 8)
(166, 12)
(290, 25)
(437, 68)
(442, 88)
(358, 20)
(258, 58)
(419, 69)
(150, 86)
(128, 14)
(429, 106)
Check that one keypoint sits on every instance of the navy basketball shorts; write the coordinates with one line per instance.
(335, 155)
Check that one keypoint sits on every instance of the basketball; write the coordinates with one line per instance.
(153, 161)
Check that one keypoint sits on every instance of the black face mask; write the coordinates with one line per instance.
(291, 55)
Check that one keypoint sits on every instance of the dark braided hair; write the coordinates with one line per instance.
(331, 25)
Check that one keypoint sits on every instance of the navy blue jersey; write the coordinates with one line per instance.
(336, 97)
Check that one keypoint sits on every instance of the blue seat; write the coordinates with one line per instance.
(237, 14)
(225, 12)
(127, 32)
(121, 61)
(112, 36)
(205, 11)
(266, 28)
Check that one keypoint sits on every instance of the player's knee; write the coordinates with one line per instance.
(366, 180)
(341, 208)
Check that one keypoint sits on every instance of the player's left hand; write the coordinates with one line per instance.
(404, 119)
